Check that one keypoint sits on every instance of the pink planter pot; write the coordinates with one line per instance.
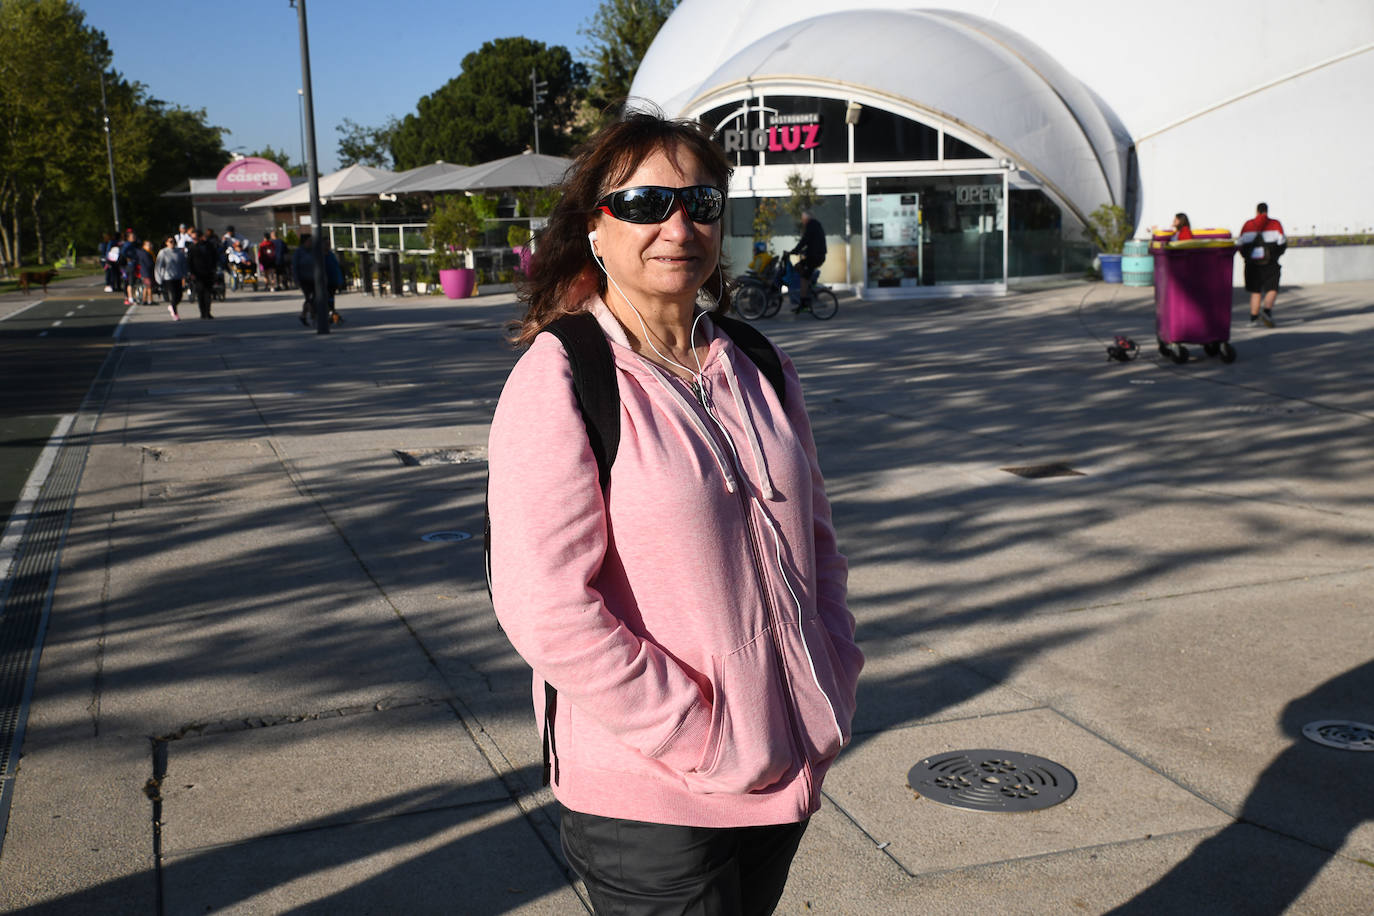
(458, 282)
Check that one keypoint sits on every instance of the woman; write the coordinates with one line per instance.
(1183, 230)
(143, 258)
(170, 271)
(691, 616)
(267, 261)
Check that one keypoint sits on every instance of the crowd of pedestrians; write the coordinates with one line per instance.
(192, 263)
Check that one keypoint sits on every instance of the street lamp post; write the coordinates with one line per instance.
(313, 177)
(537, 92)
(109, 152)
(300, 97)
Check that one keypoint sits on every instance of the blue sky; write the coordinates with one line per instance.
(240, 60)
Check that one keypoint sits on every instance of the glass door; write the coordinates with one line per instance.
(935, 230)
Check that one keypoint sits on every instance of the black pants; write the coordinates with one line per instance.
(636, 869)
(173, 288)
(204, 291)
(308, 306)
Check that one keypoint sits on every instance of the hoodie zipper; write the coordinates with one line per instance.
(774, 617)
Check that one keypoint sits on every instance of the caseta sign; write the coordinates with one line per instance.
(784, 133)
(252, 174)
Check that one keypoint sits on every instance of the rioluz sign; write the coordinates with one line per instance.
(252, 174)
(782, 133)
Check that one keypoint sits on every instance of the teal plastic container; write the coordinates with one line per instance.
(1137, 265)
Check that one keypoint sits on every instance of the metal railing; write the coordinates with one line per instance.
(405, 238)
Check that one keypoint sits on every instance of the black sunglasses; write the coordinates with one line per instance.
(653, 204)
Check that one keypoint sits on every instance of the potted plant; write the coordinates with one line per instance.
(454, 230)
(1109, 229)
(518, 238)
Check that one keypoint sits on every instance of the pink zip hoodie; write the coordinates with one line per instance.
(694, 620)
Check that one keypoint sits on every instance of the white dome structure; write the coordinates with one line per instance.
(1051, 109)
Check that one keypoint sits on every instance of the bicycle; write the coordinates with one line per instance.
(760, 295)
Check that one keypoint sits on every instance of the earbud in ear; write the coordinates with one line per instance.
(591, 240)
(592, 236)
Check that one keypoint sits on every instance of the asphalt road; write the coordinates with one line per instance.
(50, 351)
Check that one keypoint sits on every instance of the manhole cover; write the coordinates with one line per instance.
(1348, 736)
(1037, 471)
(986, 780)
(432, 456)
(445, 536)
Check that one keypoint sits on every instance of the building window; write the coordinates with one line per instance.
(781, 130)
(1038, 244)
(958, 149)
(796, 121)
(734, 128)
(881, 136)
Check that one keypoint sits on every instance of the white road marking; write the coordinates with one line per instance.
(23, 509)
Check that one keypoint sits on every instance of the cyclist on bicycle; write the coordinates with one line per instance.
(812, 251)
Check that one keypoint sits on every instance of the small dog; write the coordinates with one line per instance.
(36, 276)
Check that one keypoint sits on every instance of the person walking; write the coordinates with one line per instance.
(143, 259)
(128, 264)
(202, 262)
(108, 245)
(1261, 243)
(303, 273)
(171, 273)
(811, 247)
(267, 262)
(279, 256)
(685, 616)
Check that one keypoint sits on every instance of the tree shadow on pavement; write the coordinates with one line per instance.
(412, 852)
(1311, 796)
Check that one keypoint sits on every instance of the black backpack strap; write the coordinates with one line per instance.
(755, 346)
(594, 384)
(598, 398)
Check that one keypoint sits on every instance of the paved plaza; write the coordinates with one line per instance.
(262, 689)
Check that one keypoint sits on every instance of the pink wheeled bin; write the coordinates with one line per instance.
(1193, 296)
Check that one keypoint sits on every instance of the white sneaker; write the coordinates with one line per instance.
(109, 289)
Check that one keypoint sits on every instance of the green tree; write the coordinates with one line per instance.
(50, 139)
(484, 112)
(54, 176)
(282, 158)
(179, 145)
(765, 212)
(362, 145)
(457, 226)
(1109, 228)
(620, 33)
(803, 196)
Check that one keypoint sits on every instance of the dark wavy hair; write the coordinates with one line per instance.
(562, 274)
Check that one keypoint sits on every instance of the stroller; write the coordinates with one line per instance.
(244, 272)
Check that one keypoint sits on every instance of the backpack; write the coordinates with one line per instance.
(1266, 253)
(598, 399)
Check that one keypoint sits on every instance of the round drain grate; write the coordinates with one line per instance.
(1348, 736)
(445, 536)
(986, 780)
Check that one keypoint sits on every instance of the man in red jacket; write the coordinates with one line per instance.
(1261, 242)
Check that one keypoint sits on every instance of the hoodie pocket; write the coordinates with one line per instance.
(750, 745)
(827, 722)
